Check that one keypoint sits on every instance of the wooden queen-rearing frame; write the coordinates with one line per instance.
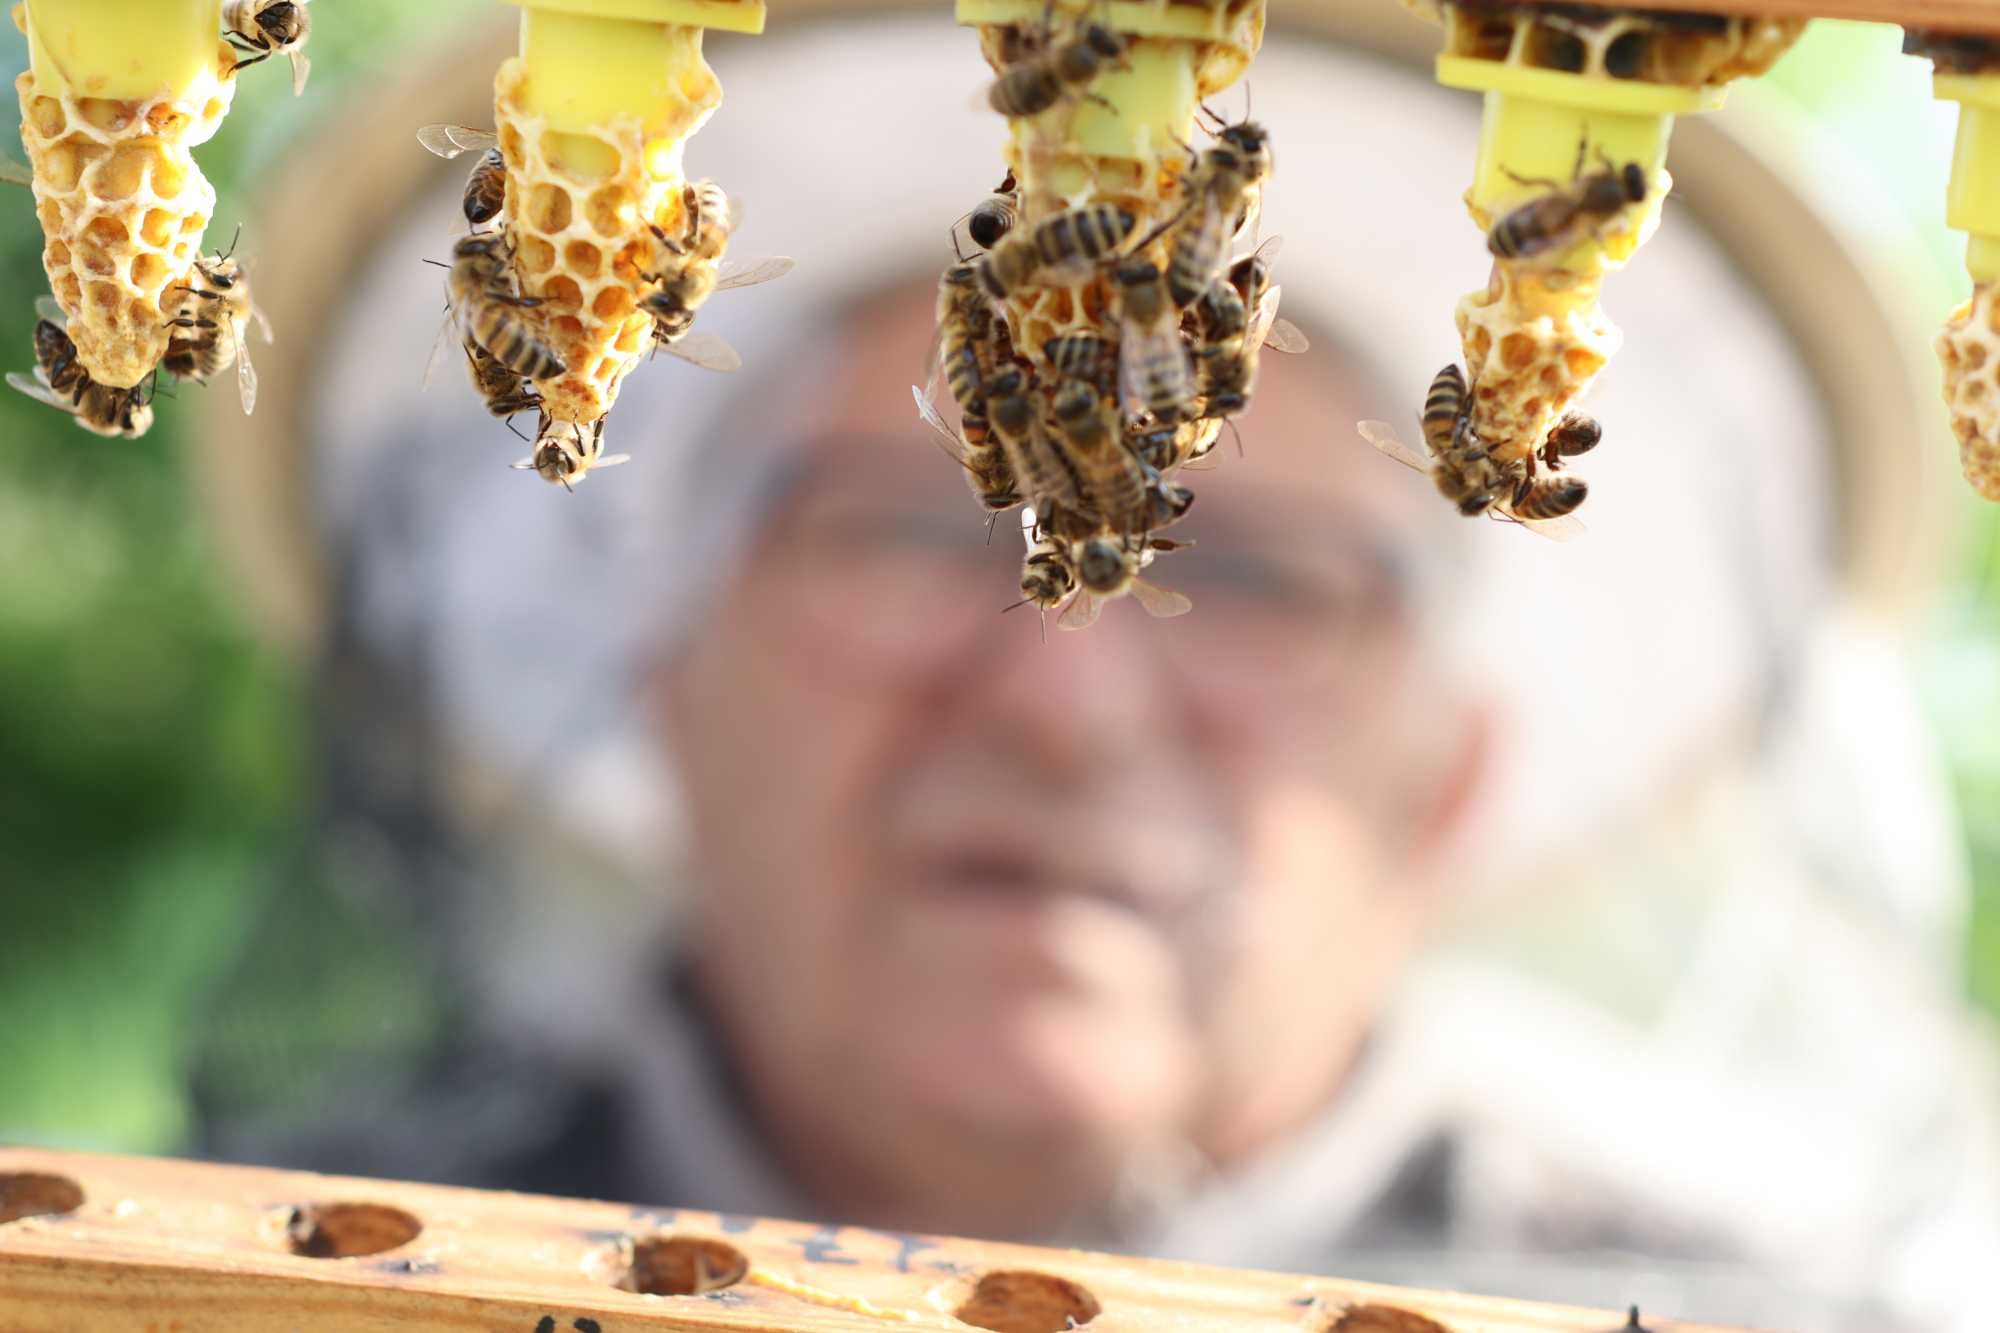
(133, 1245)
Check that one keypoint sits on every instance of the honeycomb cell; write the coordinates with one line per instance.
(122, 174)
(612, 303)
(563, 293)
(62, 167)
(534, 255)
(149, 270)
(605, 210)
(157, 228)
(548, 208)
(170, 177)
(582, 258)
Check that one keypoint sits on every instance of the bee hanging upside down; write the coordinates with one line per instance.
(261, 29)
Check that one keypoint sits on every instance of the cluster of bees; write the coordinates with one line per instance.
(214, 310)
(1088, 429)
(1531, 487)
(505, 351)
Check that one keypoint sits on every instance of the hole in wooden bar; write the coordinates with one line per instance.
(33, 1194)
(1024, 1302)
(348, 1230)
(681, 1266)
(1383, 1319)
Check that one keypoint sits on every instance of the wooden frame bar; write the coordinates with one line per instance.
(1949, 15)
(138, 1245)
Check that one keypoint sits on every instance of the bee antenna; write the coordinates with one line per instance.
(989, 526)
(1231, 423)
(434, 263)
(232, 244)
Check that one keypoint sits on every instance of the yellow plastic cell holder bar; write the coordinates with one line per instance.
(1147, 107)
(124, 50)
(591, 62)
(1533, 120)
(1972, 204)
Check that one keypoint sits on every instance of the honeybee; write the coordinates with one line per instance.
(1048, 579)
(987, 471)
(1574, 434)
(1155, 378)
(484, 300)
(1229, 370)
(565, 453)
(1045, 475)
(1041, 78)
(1082, 356)
(1109, 567)
(1222, 190)
(1467, 474)
(216, 312)
(486, 187)
(1560, 217)
(1114, 484)
(61, 382)
(1067, 242)
(685, 285)
(995, 215)
(503, 391)
(264, 28)
(957, 352)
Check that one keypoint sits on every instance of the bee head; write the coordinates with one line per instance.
(1475, 504)
(1633, 181)
(1227, 404)
(1104, 41)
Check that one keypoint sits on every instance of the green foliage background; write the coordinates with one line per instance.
(152, 753)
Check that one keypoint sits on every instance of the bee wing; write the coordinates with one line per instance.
(438, 346)
(751, 272)
(41, 393)
(301, 66)
(1028, 523)
(953, 443)
(1081, 613)
(1139, 348)
(13, 173)
(1268, 251)
(1287, 337)
(1264, 318)
(262, 322)
(611, 460)
(1567, 528)
(710, 351)
(1161, 602)
(246, 374)
(451, 140)
(1383, 437)
(50, 309)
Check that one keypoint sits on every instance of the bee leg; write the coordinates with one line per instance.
(253, 60)
(1519, 179)
(1102, 101)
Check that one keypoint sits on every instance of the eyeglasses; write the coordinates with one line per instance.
(895, 578)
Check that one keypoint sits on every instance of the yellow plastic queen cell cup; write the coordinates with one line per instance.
(115, 95)
(593, 118)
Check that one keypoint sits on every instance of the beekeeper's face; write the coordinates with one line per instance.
(984, 901)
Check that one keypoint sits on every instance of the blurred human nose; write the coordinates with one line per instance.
(1078, 703)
